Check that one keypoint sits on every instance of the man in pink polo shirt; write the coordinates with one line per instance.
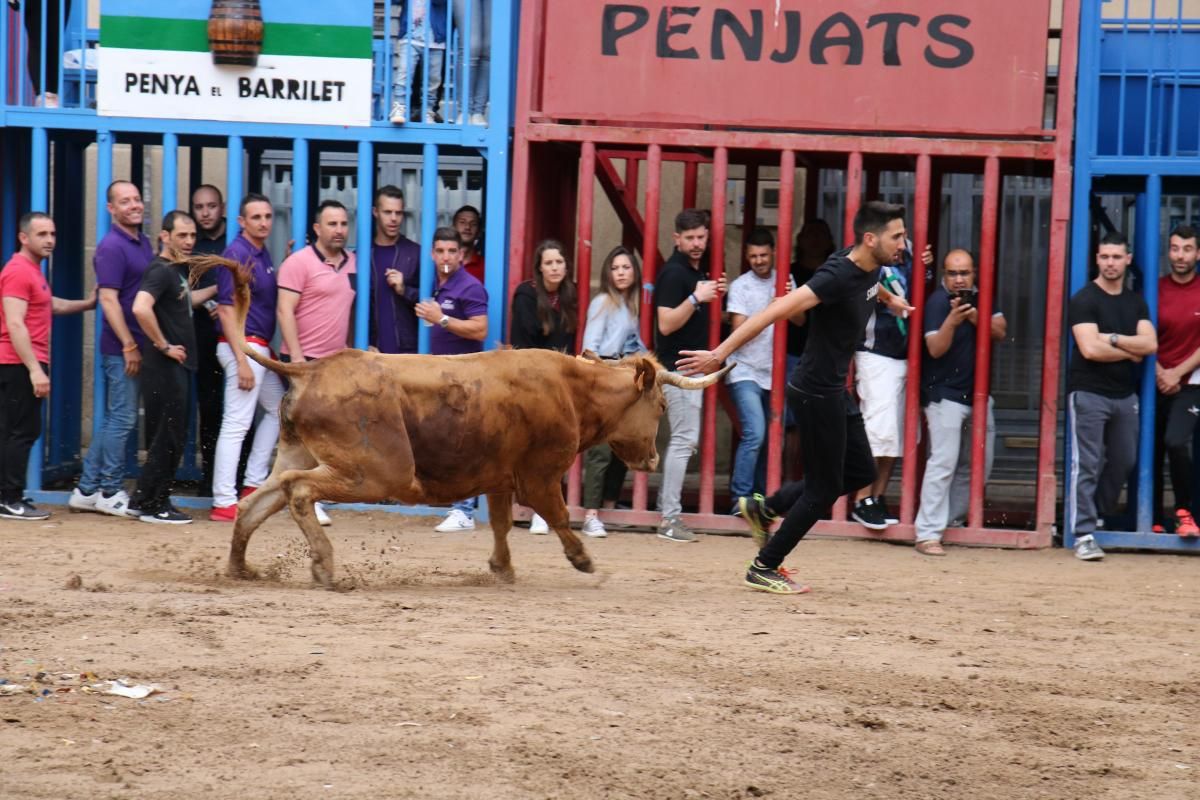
(316, 294)
(316, 289)
(26, 306)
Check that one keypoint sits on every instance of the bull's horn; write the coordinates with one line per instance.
(675, 379)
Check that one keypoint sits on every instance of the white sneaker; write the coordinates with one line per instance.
(455, 521)
(479, 119)
(431, 117)
(117, 505)
(47, 100)
(399, 114)
(322, 518)
(592, 526)
(83, 502)
(538, 525)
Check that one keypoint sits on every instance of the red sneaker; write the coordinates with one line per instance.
(246, 492)
(223, 513)
(1185, 526)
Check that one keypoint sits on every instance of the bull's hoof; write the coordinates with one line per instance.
(503, 572)
(323, 578)
(241, 572)
(582, 562)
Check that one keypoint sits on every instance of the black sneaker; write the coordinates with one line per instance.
(776, 581)
(888, 516)
(754, 510)
(22, 509)
(869, 514)
(168, 516)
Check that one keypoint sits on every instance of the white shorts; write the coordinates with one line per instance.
(880, 381)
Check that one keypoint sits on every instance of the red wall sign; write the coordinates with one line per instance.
(944, 66)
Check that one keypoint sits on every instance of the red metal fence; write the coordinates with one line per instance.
(566, 143)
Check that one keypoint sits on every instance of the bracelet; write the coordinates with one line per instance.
(695, 300)
(129, 348)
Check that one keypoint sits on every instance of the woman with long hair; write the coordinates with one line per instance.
(611, 332)
(544, 309)
(544, 314)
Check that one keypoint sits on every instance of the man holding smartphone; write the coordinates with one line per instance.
(683, 294)
(947, 386)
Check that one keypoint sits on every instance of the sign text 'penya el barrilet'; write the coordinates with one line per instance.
(275, 61)
(928, 66)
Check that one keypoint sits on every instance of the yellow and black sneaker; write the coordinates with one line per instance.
(776, 581)
(753, 509)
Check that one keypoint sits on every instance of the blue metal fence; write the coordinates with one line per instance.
(1137, 126)
(43, 138)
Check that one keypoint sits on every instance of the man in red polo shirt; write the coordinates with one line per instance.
(25, 312)
(1177, 377)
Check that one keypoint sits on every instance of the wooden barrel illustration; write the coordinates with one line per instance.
(235, 31)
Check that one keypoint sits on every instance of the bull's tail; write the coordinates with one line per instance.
(236, 337)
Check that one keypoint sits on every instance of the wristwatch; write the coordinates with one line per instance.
(1112, 339)
(444, 321)
(695, 300)
(165, 347)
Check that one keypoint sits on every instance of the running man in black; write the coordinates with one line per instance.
(838, 298)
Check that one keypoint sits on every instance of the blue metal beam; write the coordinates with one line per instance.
(234, 156)
(1147, 247)
(39, 200)
(104, 176)
(362, 299)
(170, 172)
(429, 196)
(299, 191)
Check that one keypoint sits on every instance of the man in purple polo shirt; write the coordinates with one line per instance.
(247, 385)
(121, 259)
(458, 314)
(395, 268)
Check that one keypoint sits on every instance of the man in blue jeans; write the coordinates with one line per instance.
(750, 380)
(121, 259)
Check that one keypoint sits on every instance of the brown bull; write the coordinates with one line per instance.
(366, 427)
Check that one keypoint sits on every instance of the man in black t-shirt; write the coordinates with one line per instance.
(947, 394)
(838, 298)
(208, 209)
(163, 309)
(682, 296)
(1111, 332)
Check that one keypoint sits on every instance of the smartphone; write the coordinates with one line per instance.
(966, 296)
(210, 305)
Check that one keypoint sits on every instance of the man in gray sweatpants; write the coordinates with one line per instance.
(1111, 333)
(947, 392)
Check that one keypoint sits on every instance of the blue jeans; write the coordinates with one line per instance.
(753, 405)
(104, 465)
(467, 506)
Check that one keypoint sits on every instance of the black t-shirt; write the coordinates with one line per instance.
(951, 377)
(167, 283)
(676, 280)
(797, 335)
(835, 326)
(1112, 313)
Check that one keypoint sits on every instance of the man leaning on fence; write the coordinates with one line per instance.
(1111, 333)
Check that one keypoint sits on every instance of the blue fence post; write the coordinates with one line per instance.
(235, 160)
(104, 174)
(500, 82)
(39, 200)
(429, 214)
(366, 189)
(1149, 204)
(299, 191)
(170, 172)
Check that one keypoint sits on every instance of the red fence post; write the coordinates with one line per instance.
(583, 271)
(632, 166)
(854, 166)
(716, 250)
(691, 170)
(641, 481)
(916, 341)
(986, 271)
(783, 261)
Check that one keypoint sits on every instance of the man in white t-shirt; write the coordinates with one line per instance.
(750, 380)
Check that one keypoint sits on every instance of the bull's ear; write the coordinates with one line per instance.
(646, 375)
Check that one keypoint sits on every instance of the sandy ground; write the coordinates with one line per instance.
(987, 674)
